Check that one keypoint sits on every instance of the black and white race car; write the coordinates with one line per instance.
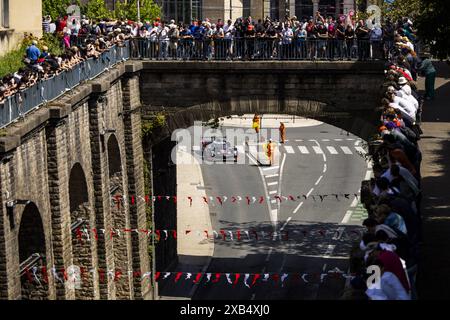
(218, 149)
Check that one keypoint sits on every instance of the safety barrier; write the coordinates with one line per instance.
(16, 106)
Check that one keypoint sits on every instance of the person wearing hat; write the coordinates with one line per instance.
(427, 69)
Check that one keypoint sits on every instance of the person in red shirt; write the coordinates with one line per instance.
(391, 263)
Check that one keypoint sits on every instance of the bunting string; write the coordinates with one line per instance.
(119, 200)
(39, 276)
(83, 234)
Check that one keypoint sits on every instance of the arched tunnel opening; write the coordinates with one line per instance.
(82, 245)
(32, 255)
(119, 216)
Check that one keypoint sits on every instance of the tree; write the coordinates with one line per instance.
(148, 10)
(96, 9)
(430, 20)
(55, 8)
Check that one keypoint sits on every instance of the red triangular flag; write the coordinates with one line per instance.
(197, 277)
(217, 278)
(255, 277)
(174, 234)
(177, 277)
(236, 279)
(174, 199)
(157, 274)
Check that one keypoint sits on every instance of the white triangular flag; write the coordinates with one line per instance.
(165, 232)
(208, 277)
(231, 235)
(266, 277)
(246, 232)
(304, 277)
(245, 280)
(228, 278)
(188, 275)
(166, 275)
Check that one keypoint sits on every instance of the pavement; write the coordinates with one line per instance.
(433, 280)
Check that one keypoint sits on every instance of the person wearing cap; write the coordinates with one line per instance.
(405, 92)
(33, 52)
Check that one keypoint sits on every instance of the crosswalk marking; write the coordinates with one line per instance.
(317, 150)
(325, 139)
(303, 149)
(272, 183)
(289, 149)
(272, 175)
(271, 168)
(273, 192)
(360, 149)
(346, 150)
(337, 139)
(332, 150)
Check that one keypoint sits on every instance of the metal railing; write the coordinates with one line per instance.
(257, 49)
(19, 104)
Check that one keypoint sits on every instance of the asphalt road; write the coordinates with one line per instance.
(315, 161)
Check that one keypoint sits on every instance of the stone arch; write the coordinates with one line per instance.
(81, 236)
(32, 255)
(119, 217)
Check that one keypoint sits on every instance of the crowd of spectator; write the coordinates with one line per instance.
(79, 41)
(392, 198)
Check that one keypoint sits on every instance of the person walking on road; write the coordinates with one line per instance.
(282, 132)
(270, 151)
(256, 123)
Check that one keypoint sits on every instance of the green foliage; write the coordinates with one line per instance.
(149, 10)
(148, 126)
(96, 9)
(55, 8)
(12, 61)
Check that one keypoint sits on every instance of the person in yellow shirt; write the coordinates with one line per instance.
(256, 123)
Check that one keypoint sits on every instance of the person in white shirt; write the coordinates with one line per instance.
(163, 37)
(389, 287)
(228, 34)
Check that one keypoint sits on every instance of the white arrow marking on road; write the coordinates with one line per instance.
(346, 150)
(303, 149)
(332, 150)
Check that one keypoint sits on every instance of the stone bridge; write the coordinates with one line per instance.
(74, 173)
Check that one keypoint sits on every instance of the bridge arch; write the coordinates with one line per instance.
(32, 253)
(80, 217)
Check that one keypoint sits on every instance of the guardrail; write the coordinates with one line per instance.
(24, 101)
(257, 49)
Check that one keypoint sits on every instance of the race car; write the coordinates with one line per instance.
(218, 149)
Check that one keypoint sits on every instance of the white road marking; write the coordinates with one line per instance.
(338, 139)
(284, 225)
(369, 165)
(368, 175)
(272, 183)
(346, 150)
(274, 215)
(270, 168)
(273, 201)
(298, 207)
(289, 149)
(318, 180)
(361, 150)
(240, 148)
(253, 149)
(329, 251)
(303, 149)
(272, 175)
(324, 168)
(332, 150)
(325, 139)
(197, 148)
(273, 192)
(354, 202)
(349, 139)
(182, 148)
(268, 255)
(317, 150)
(298, 140)
(357, 142)
(309, 192)
(347, 216)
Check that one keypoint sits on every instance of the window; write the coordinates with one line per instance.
(4, 10)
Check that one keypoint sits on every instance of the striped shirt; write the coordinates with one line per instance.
(46, 26)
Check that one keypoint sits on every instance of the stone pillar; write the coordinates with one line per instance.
(105, 252)
(257, 9)
(58, 181)
(348, 5)
(315, 7)
(266, 9)
(135, 174)
(292, 8)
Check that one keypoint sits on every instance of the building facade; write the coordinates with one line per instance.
(16, 18)
(186, 10)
